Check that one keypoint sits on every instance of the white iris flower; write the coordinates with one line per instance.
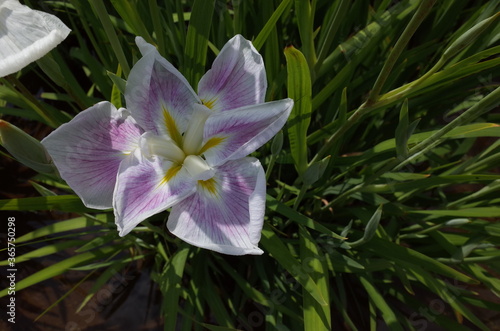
(173, 148)
(26, 35)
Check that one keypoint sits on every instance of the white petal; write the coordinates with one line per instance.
(26, 35)
(237, 77)
(88, 151)
(226, 213)
(158, 96)
(147, 187)
(233, 134)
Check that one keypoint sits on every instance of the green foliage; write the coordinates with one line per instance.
(382, 191)
(299, 89)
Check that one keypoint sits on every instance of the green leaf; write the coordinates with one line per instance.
(26, 149)
(98, 241)
(47, 249)
(70, 203)
(448, 293)
(315, 171)
(63, 266)
(255, 295)
(329, 32)
(104, 17)
(466, 212)
(342, 263)
(52, 69)
(158, 28)
(370, 229)
(118, 82)
(469, 37)
(304, 11)
(378, 301)
(170, 286)
(270, 24)
(104, 264)
(275, 205)
(130, 14)
(217, 328)
(299, 89)
(42, 190)
(63, 226)
(277, 143)
(102, 280)
(197, 40)
(273, 244)
(316, 317)
(408, 256)
(404, 176)
(466, 131)
(402, 132)
(493, 229)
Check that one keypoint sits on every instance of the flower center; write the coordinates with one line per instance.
(198, 167)
(163, 146)
(186, 155)
(193, 137)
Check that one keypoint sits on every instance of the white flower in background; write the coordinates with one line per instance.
(26, 35)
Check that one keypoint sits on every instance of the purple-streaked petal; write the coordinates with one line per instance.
(234, 134)
(88, 151)
(226, 213)
(146, 187)
(159, 98)
(237, 77)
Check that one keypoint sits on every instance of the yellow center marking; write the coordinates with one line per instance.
(212, 142)
(171, 127)
(171, 172)
(209, 103)
(209, 185)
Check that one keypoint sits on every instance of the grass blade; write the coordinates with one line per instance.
(197, 40)
(299, 89)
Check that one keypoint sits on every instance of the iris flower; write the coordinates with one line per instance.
(26, 35)
(173, 148)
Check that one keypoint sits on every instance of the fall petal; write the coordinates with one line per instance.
(234, 134)
(147, 186)
(226, 213)
(26, 35)
(159, 98)
(237, 77)
(88, 151)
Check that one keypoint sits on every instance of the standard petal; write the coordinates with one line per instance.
(226, 213)
(158, 96)
(237, 77)
(26, 35)
(234, 134)
(146, 187)
(88, 151)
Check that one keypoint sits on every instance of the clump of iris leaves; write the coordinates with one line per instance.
(371, 217)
